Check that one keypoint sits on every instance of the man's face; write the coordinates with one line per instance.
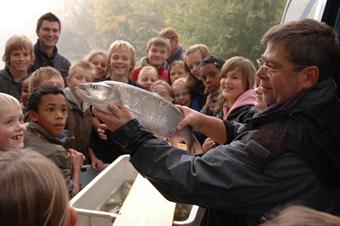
(49, 33)
(282, 80)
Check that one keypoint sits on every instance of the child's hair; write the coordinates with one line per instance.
(17, 42)
(169, 33)
(158, 41)
(33, 191)
(35, 98)
(120, 44)
(41, 74)
(79, 64)
(93, 53)
(8, 102)
(302, 216)
(201, 48)
(164, 84)
(147, 69)
(180, 81)
(211, 59)
(245, 66)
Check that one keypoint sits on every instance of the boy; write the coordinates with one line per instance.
(79, 120)
(158, 50)
(12, 127)
(45, 132)
(18, 57)
(45, 76)
(147, 76)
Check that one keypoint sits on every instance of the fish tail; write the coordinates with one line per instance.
(194, 147)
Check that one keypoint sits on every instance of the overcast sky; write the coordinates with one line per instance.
(20, 17)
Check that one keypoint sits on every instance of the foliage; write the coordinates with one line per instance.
(227, 27)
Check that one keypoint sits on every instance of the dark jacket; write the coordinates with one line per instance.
(8, 84)
(79, 123)
(177, 55)
(56, 60)
(287, 154)
(51, 147)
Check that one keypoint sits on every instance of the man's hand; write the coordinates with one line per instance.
(119, 117)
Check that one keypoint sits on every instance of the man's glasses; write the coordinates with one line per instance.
(270, 71)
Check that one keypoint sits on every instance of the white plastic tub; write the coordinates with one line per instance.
(108, 184)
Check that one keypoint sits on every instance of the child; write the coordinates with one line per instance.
(147, 76)
(176, 70)
(33, 192)
(210, 68)
(302, 216)
(162, 88)
(237, 78)
(192, 58)
(45, 76)
(157, 51)
(79, 120)
(12, 126)
(100, 61)
(122, 60)
(24, 92)
(45, 131)
(18, 57)
(181, 92)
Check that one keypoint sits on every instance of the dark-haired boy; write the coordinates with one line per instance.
(45, 132)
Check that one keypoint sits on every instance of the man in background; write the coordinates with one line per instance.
(176, 51)
(45, 50)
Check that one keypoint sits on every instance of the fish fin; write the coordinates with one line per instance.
(196, 147)
(129, 109)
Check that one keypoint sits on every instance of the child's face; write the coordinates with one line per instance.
(157, 55)
(80, 76)
(25, 93)
(193, 60)
(148, 78)
(20, 60)
(100, 63)
(54, 81)
(181, 94)
(163, 92)
(12, 129)
(120, 62)
(210, 77)
(232, 85)
(177, 71)
(52, 113)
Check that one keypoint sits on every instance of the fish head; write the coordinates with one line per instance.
(97, 94)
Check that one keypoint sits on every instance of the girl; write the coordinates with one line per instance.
(100, 61)
(238, 96)
(176, 70)
(192, 58)
(181, 92)
(163, 89)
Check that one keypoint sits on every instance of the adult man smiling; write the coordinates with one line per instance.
(288, 153)
(45, 50)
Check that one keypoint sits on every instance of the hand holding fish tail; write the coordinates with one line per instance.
(208, 125)
(191, 118)
(119, 116)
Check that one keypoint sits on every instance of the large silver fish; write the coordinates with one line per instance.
(151, 110)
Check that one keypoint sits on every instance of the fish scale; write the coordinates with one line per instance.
(152, 111)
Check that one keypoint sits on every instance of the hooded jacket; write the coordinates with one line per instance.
(286, 154)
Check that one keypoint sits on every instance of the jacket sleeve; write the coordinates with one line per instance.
(225, 178)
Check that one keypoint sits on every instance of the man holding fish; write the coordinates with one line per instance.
(289, 153)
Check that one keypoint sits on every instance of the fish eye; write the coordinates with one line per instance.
(93, 86)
